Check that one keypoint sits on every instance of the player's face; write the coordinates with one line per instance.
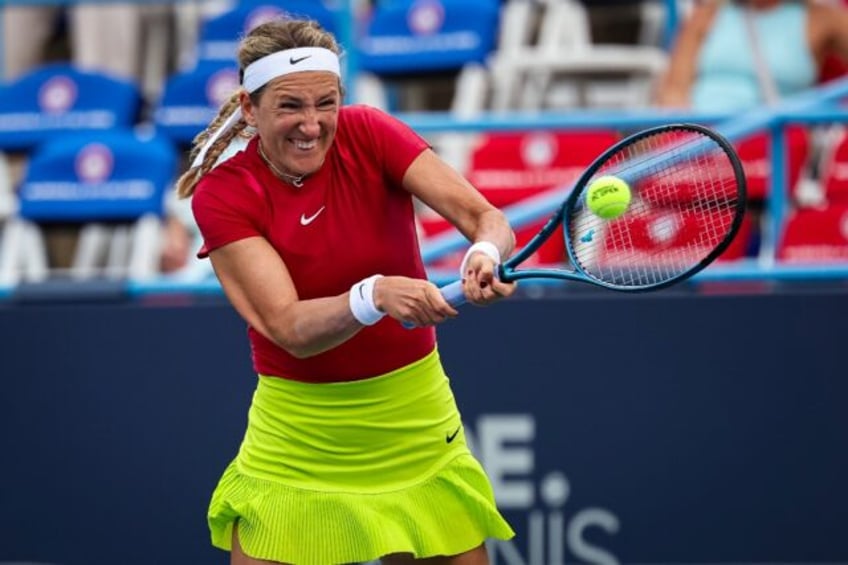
(296, 117)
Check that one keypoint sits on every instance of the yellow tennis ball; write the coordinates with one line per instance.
(608, 197)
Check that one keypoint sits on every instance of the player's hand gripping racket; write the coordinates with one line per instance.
(687, 200)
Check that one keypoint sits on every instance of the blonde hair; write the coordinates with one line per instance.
(265, 39)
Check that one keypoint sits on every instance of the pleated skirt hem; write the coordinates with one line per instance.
(447, 513)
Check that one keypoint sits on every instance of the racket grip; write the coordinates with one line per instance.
(453, 295)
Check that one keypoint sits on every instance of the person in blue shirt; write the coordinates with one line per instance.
(713, 65)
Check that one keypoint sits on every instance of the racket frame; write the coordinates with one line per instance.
(508, 271)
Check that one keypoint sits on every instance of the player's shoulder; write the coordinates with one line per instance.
(360, 111)
(231, 177)
(221, 175)
(363, 115)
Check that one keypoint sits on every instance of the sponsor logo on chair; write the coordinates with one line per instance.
(94, 163)
(57, 95)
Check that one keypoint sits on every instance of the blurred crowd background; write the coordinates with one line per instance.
(101, 100)
(673, 427)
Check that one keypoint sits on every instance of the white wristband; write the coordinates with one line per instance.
(362, 302)
(485, 247)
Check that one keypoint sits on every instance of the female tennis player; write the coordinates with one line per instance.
(354, 448)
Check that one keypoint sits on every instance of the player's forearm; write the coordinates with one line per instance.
(309, 327)
(493, 226)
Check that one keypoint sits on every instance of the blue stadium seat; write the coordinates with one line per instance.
(114, 175)
(429, 35)
(191, 99)
(112, 184)
(57, 99)
(219, 36)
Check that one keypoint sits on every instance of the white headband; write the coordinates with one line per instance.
(264, 70)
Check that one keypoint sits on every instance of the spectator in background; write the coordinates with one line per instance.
(178, 235)
(714, 62)
(732, 56)
(834, 67)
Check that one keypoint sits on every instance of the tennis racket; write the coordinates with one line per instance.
(687, 203)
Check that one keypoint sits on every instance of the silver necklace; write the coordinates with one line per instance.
(296, 180)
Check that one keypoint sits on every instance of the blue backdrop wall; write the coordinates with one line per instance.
(654, 429)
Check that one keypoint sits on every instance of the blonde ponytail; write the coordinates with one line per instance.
(189, 179)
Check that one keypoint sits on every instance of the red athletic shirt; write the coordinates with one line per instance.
(349, 220)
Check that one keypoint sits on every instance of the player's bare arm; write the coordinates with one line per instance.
(260, 288)
(451, 195)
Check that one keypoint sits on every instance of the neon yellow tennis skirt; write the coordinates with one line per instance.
(349, 472)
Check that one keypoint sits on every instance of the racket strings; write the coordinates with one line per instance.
(684, 200)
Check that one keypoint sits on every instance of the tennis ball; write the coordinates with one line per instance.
(608, 197)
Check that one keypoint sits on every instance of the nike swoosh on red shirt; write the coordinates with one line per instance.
(305, 221)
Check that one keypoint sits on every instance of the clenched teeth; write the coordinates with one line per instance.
(301, 144)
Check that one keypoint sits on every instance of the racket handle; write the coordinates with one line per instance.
(453, 295)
